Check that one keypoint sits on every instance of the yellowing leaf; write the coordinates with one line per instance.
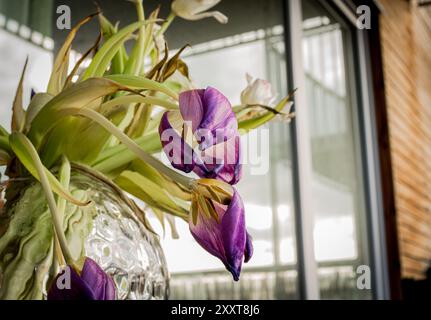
(18, 113)
(61, 64)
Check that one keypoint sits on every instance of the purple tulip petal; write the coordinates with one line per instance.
(191, 107)
(222, 162)
(207, 233)
(215, 128)
(180, 154)
(234, 235)
(248, 248)
(225, 240)
(102, 285)
(218, 111)
(79, 289)
(92, 284)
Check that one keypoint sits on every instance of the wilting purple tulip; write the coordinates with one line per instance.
(92, 284)
(225, 238)
(205, 120)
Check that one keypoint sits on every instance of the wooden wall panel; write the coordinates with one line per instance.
(406, 49)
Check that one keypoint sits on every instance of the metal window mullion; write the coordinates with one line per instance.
(304, 221)
(375, 216)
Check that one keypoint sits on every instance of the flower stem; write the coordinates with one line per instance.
(64, 176)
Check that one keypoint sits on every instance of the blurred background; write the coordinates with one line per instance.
(348, 182)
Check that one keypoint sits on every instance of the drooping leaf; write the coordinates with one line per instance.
(23, 148)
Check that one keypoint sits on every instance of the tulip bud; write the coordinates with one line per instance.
(258, 92)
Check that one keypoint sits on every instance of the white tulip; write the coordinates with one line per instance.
(258, 92)
(197, 9)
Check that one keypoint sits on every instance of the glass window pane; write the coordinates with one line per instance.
(13, 52)
(337, 187)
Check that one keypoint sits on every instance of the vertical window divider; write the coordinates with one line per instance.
(304, 220)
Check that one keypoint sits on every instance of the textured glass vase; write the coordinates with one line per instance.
(113, 234)
(122, 245)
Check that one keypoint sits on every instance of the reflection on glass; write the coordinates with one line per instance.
(338, 200)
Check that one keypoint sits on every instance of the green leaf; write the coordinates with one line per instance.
(120, 58)
(25, 244)
(136, 59)
(4, 144)
(18, 113)
(76, 96)
(36, 104)
(23, 149)
(104, 56)
(3, 132)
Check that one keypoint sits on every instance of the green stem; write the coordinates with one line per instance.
(58, 225)
(64, 177)
(137, 57)
(134, 147)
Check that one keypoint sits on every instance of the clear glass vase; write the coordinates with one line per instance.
(122, 245)
(116, 237)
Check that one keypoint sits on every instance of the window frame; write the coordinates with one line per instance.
(375, 185)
